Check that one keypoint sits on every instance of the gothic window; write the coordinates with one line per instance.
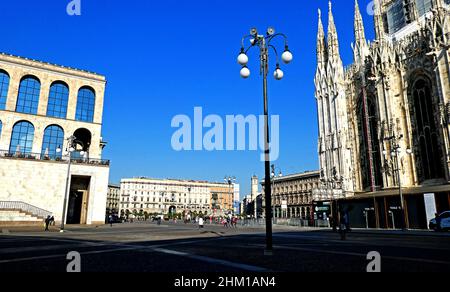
(396, 17)
(423, 6)
(369, 136)
(430, 165)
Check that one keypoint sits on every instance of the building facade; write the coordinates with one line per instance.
(113, 200)
(292, 195)
(41, 106)
(164, 196)
(384, 120)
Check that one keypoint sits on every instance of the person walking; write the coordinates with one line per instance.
(110, 220)
(201, 223)
(47, 223)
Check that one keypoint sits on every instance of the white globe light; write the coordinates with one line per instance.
(287, 57)
(243, 59)
(245, 73)
(278, 74)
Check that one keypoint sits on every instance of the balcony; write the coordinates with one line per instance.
(4, 154)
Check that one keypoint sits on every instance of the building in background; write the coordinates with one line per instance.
(292, 196)
(237, 199)
(41, 106)
(113, 200)
(166, 196)
(384, 120)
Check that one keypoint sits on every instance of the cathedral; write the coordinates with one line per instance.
(384, 121)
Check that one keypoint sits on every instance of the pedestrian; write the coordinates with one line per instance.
(52, 221)
(200, 223)
(110, 220)
(234, 222)
(343, 227)
(47, 223)
(224, 222)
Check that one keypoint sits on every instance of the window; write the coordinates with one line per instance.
(58, 100)
(22, 138)
(423, 6)
(396, 17)
(370, 159)
(28, 98)
(53, 139)
(85, 105)
(430, 164)
(4, 84)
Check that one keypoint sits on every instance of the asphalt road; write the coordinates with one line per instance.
(184, 248)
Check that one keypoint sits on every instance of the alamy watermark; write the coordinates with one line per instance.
(213, 133)
(74, 8)
(374, 259)
(74, 265)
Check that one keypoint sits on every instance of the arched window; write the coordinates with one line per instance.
(28, 98)
(430, 164)
(58, 100)
(4, 85)
(370, 162)
(53, 139)
(22, 138)
(85, 105)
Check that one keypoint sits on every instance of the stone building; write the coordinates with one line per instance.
(292, 195)
(41, 106)
(113, 199)
(384, 120)
(166, 196)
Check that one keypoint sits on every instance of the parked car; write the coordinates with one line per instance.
(441, 222)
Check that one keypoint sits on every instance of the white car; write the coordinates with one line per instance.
(441, 223)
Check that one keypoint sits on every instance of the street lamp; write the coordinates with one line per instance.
(396, 150)
(69, 150)
(273, 176)
(230, 181)
(264, 43)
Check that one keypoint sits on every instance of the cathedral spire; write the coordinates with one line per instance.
(333, 42)
(360, 36)
(321, 43)
(378, 19)
(360, 45)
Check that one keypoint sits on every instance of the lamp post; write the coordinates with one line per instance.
(273, 176)
(230, 180)
(395, 155)
(264, 43)
(69, 150)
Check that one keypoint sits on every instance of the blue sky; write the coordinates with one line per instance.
(163, 58)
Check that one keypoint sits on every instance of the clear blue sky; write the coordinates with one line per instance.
(162, 58)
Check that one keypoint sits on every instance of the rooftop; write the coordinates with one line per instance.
(54, 67)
